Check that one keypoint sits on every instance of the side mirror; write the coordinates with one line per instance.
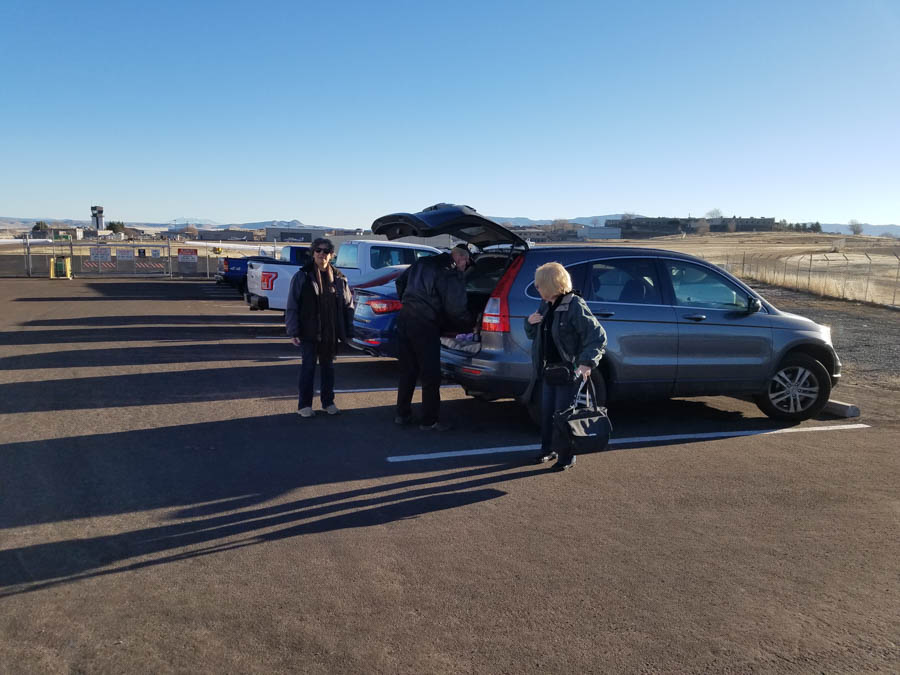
(754, 305)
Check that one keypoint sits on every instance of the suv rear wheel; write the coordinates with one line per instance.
(534, 407)
(798, 390)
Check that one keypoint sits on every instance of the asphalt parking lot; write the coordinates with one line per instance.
(163, 509)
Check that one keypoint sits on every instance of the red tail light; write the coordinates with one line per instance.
(385, 306)
(225, 264)
(267, 280)
(496, 312)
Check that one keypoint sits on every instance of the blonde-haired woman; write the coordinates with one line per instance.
(567, 343)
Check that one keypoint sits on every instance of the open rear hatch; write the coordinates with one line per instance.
(462, 222)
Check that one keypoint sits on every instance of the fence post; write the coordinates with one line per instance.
(896, 279)
(846, 272)
(809, 274)
(797, 274)
(868, 276)
(743, 260)
(825, 280)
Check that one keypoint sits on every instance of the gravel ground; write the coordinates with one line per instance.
(866, 337)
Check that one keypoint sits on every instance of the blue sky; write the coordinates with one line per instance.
(337, 113)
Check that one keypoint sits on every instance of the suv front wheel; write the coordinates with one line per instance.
(798, 390)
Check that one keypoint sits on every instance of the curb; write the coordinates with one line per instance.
(841, 409)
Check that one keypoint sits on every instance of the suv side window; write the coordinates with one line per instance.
(384, 256)
(424, 253)
(629, 280)
(697, 286)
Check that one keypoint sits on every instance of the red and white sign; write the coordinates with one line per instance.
(187, 255)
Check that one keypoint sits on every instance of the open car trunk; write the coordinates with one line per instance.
(481, 280)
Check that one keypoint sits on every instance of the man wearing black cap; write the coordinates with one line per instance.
(433, 293)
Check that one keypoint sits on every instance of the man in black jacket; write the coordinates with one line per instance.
(433, 293)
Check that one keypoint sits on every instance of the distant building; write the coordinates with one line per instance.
(734, 224)
(231, 234)
(134, 233)
(299, 234)
(97, 217)
(591, 232)
(535, 234)
(644, 228)
(66, 232)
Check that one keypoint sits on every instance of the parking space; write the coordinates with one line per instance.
(163, 504)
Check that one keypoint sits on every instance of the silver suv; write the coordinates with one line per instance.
(676, 325)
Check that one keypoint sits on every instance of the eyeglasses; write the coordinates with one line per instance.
(326, 251)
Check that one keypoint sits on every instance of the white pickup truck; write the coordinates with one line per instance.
(365, 263)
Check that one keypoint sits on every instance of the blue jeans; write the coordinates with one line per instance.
(554, 397)
(309, 351)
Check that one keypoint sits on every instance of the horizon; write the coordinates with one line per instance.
(499, 219)
(755, 110)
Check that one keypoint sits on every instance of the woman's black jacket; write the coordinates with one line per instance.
(578, 335)
(301, 317)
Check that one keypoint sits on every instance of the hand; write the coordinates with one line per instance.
(295, 341)
(537, 317)
(583, 371)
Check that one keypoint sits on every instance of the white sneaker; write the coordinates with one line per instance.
(332, 409)
(306, 412)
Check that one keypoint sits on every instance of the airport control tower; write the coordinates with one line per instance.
(97, 217)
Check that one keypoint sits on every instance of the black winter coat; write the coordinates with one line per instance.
(301, 317)
(578, 336)
(432, 290)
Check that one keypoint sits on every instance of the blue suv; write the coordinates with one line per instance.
(676, 324)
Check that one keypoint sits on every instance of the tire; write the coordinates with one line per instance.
(534, 406)
(798, 390)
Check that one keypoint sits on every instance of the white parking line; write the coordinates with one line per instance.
(624, 441)
(363, 391)
(361, 357)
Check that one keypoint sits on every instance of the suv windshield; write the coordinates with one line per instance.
(347, 256)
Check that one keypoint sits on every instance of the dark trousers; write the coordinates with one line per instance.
(419, 346)
(554, 397)
(309, 352)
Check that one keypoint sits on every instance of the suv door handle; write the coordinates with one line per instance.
(695, 317)
(605, 315)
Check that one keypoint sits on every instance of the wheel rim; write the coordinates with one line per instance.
(793, 389)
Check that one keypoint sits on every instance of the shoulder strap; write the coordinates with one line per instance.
(589, 391)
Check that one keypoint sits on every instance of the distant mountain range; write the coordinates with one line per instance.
(8, 223)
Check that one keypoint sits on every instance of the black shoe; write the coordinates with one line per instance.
(403, 420)
(565, 463)
(437, 426)
(543, 459)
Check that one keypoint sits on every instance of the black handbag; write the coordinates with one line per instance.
(559, 373)
(583, 428)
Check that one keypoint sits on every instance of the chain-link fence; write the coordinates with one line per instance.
(869, 277)
(112, 259)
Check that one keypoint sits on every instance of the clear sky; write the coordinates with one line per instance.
(335, 113)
